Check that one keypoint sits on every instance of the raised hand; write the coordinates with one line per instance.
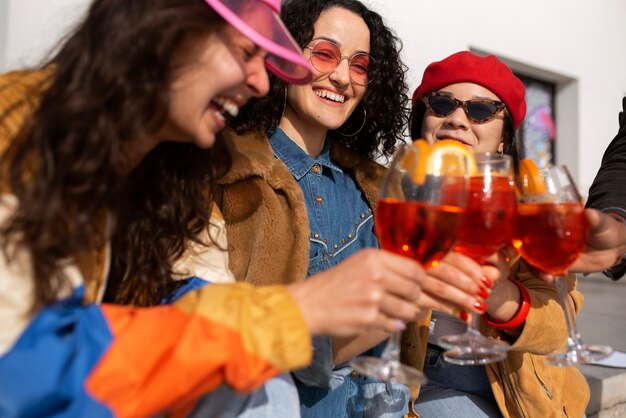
(373, 289)
(457, 284)
(606, 243)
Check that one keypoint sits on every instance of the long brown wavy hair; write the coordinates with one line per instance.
(110, 85)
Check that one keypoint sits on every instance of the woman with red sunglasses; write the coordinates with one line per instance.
(304, 159)
(307, 159)
(479, 102)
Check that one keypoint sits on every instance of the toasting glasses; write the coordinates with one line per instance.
(551, 234)
(418, 214)
(486, 227)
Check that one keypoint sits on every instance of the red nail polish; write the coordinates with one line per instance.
(463, 315)
(486, 281)
(483, 293)
(480, 306)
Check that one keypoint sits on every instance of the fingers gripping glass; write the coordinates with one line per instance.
(551, 233)
(477, 110)
(326, 56)
(419, 212)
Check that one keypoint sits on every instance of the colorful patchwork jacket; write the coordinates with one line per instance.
(77, 358)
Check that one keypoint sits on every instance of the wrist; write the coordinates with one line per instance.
(520, 316)
(298, 293)
(617, 270)
(621, 219)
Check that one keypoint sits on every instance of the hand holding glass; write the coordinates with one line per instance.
(487, 226)
(551, 234)
(418, 214)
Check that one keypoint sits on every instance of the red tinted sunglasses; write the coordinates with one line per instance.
(326, 56)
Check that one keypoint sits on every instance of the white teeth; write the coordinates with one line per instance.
(335, 97)
(227, 105)
(231, 108)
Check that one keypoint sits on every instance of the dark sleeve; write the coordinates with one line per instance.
(608, 191)
(319, 373)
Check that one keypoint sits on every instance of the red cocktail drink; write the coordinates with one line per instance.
(421, 231)
(551, 236)
(489, 217)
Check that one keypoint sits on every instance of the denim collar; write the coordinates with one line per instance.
(297, 161)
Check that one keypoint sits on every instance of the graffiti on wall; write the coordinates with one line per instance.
(538, 131)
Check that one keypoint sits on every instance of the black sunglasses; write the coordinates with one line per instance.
(477, 110)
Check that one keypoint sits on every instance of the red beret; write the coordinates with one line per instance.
(488, 72)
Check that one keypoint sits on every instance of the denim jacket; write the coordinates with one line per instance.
(340, 219)
(341, 223)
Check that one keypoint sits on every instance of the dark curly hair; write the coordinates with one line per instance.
(513, 146)
(385, 100)
(109, 85)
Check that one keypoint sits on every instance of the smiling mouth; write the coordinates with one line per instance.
(226, 108)
(334, 97)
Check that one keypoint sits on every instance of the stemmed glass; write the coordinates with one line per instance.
(551, 234)
(419, 210)
(487, 226)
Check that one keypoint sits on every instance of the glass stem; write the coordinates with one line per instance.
(474, 319)
(391, 353)
(573, 340)
(472, 327)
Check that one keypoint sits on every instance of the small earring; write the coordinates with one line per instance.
(362, 124)
(500, 150)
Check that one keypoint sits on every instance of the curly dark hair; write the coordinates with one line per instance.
(385, 101)
(513, 145)
(110, 85)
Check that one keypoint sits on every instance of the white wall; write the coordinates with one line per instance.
(4, 13)
(579, 44)
(34, 28)
(578, 40)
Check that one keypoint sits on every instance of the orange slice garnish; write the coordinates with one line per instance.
(531, 180)
(451, 158)
(416, 160)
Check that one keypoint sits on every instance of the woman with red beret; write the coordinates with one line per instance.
(527, 315)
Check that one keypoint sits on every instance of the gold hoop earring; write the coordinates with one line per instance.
(362, 124)
(500, 150)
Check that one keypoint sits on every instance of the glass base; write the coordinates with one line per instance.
(582, 354)
(474, 357)
(377, 368)
(472, 349)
